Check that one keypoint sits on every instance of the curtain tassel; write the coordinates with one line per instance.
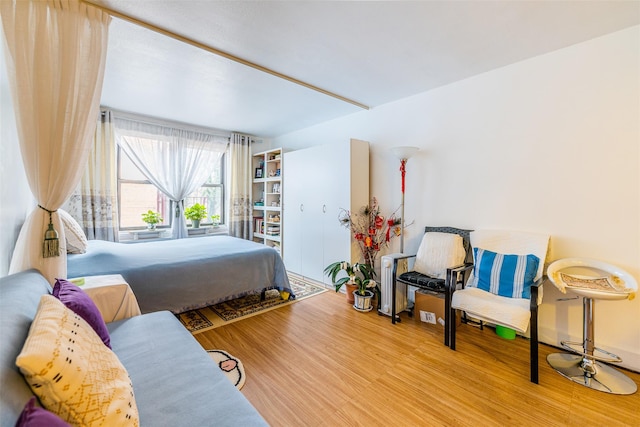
(178, 203)
(51, 245)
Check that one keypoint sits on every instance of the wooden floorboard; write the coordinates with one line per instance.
(319, 362)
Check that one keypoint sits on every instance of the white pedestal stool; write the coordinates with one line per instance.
(591, 279)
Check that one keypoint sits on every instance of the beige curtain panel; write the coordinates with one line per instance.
(56, 58)
(94, 202)
(240, 221)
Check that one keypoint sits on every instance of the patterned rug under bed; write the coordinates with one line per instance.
(217, 315)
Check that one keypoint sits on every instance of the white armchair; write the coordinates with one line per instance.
(505, 284)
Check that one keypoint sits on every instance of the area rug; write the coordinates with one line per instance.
(217, 315)
(230, 366)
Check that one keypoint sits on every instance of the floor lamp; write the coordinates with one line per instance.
(403, 153)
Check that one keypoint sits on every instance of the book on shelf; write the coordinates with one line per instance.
(273, 230)
(258, 225)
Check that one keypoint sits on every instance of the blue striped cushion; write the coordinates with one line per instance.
(505, 275)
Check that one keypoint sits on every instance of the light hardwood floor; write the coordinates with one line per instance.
(318, 362)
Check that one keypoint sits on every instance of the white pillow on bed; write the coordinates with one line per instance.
(73, 233)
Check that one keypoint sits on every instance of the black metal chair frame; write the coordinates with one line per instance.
(449, 276)
(452, 285)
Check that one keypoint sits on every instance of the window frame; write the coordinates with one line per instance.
(121, 180)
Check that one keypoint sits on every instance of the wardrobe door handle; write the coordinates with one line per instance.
(301, 207)
(324, 208)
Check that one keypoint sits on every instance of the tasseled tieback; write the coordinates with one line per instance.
(181, 202)
(51, 245)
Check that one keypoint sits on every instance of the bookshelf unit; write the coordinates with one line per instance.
(266, 198)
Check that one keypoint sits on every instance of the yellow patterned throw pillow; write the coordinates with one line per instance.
(72, 372)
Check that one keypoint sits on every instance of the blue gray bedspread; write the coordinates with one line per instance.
(184, 274)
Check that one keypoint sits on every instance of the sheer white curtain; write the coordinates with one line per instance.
(241, 220)
(56, 57)
(177, 161)
(94, 202)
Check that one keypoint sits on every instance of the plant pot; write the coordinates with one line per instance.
(350, 289)
(151, 226)
(195, 223)
(363, 302)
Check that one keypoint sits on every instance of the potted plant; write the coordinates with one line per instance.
(151, 218)
(196, 213)
(215, 219)
(359, 281)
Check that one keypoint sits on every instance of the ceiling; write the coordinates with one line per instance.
(370, 52)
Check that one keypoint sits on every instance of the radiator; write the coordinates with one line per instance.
(386, 285)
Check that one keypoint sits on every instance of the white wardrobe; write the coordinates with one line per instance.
(321, 181)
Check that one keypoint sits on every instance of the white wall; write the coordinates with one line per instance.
(15, 196)
(550, 144)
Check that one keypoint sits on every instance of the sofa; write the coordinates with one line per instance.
(175, 382)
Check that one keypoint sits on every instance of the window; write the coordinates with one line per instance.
(210, 194)
(137, 195)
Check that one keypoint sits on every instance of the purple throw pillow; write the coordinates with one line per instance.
(80, 303)
(35, 416)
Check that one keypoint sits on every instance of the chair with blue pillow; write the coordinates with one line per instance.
(505, 284)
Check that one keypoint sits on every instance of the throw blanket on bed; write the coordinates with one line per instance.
(184, 274)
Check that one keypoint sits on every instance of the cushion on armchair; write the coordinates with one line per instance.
(505, 275)
(420, 280)
(513, 313)
(437, 252)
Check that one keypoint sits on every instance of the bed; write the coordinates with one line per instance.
(185, 274)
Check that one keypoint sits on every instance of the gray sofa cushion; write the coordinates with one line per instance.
(170, 371)
(19, 299)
